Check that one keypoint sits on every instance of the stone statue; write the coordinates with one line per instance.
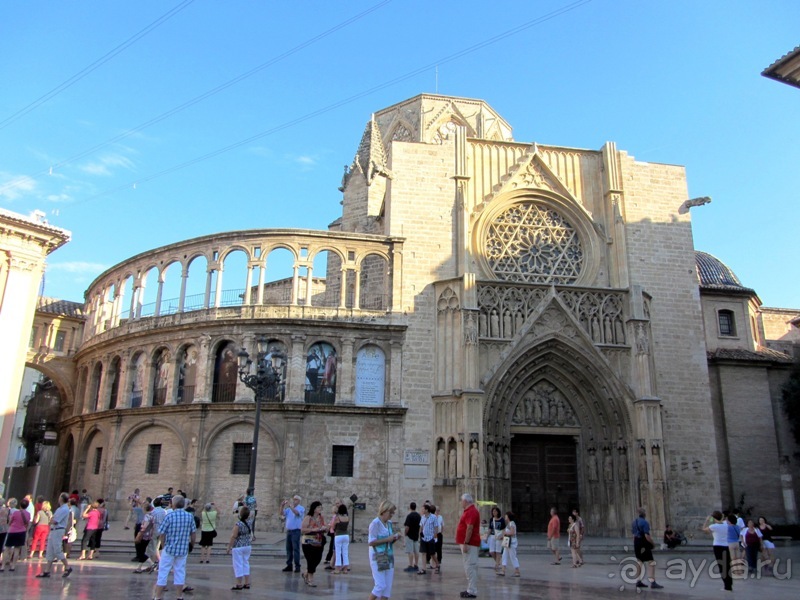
(623, 465)
(451, 467)
(608, 466)
(643, 465)
(482, 325)
(658, 472)
(592, 466)
(499, 459)
(507, 330)
(494, 324)
(473, 460)
(507, 462)
(519, 416)
(489, 462)
(537, 411)
(440, 470)
(518, 321)
(528, 408)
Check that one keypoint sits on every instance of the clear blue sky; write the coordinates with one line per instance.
(674, 81)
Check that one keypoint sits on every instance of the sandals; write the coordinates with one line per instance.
(237, 588)
(246, 586)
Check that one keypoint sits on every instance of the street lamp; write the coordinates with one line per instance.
(266, 378)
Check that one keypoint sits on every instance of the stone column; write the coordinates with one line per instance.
(159, 294)
(357, 289)
(205, 371)
(397, 278)
(243, 393)
(184, 279)
(345, 373)
(248, 283)
(296, 372)
(309, 284)
(343, 288)
(395, 379)
(123, 395)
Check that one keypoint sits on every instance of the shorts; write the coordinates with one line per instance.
(643, 550)
(427, 548)
(412, 546)
(769, 545)
(552, 543)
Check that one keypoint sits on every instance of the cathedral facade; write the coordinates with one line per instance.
(522, 322)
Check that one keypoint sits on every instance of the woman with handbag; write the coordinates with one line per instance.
(495, 540)
(239, 547)
(381, 553)
(142, 540)
(313, 531)
(208, 531)
(509, 545)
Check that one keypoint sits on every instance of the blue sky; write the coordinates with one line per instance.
(669, 81)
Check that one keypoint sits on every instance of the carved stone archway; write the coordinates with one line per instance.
(556, 386)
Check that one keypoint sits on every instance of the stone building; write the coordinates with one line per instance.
(25, 243)
(523, 322)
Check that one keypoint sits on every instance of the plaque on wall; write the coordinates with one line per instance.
(370, 376)
(416, 457)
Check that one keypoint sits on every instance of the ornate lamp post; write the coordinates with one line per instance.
(265, 379)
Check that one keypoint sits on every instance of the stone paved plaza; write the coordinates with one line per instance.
(111, 578)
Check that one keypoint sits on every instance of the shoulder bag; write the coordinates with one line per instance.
(213, 529)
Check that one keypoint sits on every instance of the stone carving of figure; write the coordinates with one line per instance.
(494, 324)
(608, 466)
(473, 460)
(642, 343)
(507, 463)
(528, 408)
(482, 325)
(560, 412)
(537, 411)
(545, 410)
(623, 465)
(489, 462)
(595, 330)
(643, 465)
(658, 472)
(609, 335)
(592, 466)
(440, 470)
(517, 321)
(499, 462)
(470, 333)
(451, 467)
(508, 332)
(519, 414)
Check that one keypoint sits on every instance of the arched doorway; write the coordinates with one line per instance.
(558, 434)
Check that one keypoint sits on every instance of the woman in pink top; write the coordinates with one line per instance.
(92, 516)
(18, 521)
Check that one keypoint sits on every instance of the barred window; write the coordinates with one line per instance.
(98, 460)
(727, 325)
(240, 460)
(153, 459)
(342, 461)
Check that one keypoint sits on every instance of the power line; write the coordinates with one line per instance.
(93, 66)
(196, 99)
(450, 58)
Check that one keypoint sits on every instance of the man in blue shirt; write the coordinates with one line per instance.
(643, 548)
(176, 532)
(293, 513)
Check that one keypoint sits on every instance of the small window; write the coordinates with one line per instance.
(727, 326)
(61, 337)
(240, 461)
(342, 461)
(98, 460)
(153, 459)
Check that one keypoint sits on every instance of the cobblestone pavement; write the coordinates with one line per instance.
(683, 574)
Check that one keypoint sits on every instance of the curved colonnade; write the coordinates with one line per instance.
(158, 397)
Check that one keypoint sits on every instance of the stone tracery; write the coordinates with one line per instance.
(531, 243)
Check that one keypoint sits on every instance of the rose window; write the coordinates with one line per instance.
(531, 243)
